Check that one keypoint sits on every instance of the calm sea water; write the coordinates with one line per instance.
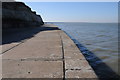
(99, 38)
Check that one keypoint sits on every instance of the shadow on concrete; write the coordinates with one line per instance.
(102, 70)
(20, 34)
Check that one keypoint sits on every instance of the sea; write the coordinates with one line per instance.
(98, 42)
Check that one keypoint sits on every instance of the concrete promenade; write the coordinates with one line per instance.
(48, 54)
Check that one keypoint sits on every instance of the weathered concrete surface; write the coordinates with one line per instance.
(0, 66)
(49, 54)
(6, 47)
(80, 74)
(36, 49)
(38, 57)
(32, 69)
(76, 66)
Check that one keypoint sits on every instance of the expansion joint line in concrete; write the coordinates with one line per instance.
(63, 56)
(14, 46)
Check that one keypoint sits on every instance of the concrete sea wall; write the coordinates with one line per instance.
(50, 54)
(38, 52)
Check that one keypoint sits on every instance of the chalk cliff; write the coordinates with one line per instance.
(17, 14)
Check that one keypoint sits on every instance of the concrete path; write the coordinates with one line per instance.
(48, 54)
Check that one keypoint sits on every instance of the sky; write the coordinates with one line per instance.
(100, 12)
(69, 0)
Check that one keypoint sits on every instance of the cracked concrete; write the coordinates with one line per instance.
(49, 54)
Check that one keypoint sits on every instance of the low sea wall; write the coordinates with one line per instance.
(48, 54)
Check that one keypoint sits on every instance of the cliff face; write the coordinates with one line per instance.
(17, 14)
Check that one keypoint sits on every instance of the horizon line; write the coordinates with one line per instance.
(81, 22)
(69, 0)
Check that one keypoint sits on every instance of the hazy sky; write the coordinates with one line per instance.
(76, 11)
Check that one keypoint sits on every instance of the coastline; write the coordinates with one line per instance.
(100, 67)
(32, 48)
(91, 58)
(68, 58)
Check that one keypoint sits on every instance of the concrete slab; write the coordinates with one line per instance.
(8, 46)
(47, 35)
(24, 51)
(77, 64)
(32, 69)
(68, 44)
(80, 74)
(0, 62)
(49, 25)
(45, 32)
(73, 55)
(43, 38)
(45, 56)
(41, 43)
(36, 48)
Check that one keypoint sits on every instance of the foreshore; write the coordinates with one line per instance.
(46, 52)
